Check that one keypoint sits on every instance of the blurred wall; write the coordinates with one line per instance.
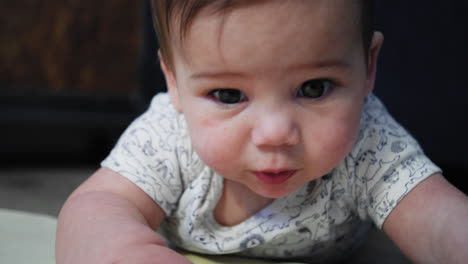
(82, 46)
(69, 80)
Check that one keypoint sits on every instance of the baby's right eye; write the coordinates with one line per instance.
(228, 96)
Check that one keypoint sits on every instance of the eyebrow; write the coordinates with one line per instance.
(218, 75)
(334, 63)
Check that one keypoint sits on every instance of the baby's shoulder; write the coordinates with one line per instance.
(379, 132)
(385, 163)
(382, 146)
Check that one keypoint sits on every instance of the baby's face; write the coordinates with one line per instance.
(273, 93)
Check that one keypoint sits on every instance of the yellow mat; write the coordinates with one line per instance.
(198, 259)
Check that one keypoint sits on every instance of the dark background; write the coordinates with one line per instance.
(104, 71)
(422, 77)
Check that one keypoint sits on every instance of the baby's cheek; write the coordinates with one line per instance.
(337, 140)
(216, 147)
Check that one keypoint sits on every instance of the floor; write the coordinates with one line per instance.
(39, 190)
(43, 190)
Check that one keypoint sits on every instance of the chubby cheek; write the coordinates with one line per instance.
(216, 144)
(334, 140)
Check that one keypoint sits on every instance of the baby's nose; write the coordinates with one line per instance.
(276, 129)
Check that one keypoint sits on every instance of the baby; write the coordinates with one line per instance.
(269, 144)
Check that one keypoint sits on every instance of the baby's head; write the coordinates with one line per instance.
(272, 90)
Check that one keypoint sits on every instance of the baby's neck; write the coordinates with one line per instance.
(237, 204)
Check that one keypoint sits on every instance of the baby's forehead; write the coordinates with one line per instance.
(267, 38)
(183, 16)
(185, 22)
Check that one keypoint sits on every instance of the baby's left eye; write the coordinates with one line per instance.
(314, 88)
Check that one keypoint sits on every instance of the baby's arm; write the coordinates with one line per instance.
(110, 220)
(430, 224)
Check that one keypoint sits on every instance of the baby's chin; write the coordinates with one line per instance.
(273, 192)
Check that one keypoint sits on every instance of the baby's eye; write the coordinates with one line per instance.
(228, 96)
(314, 88)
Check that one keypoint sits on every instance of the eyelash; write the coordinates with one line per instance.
(216, 96)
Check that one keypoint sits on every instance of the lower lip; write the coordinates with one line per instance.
(274, 178)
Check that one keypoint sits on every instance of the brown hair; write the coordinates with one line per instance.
(164, 16)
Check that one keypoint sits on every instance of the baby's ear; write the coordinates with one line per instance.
(377, 42)
(171, 83)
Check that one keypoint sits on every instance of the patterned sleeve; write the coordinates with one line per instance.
(147, 154)
(386, 163)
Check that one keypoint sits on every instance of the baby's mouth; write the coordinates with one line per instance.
(274, 177)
